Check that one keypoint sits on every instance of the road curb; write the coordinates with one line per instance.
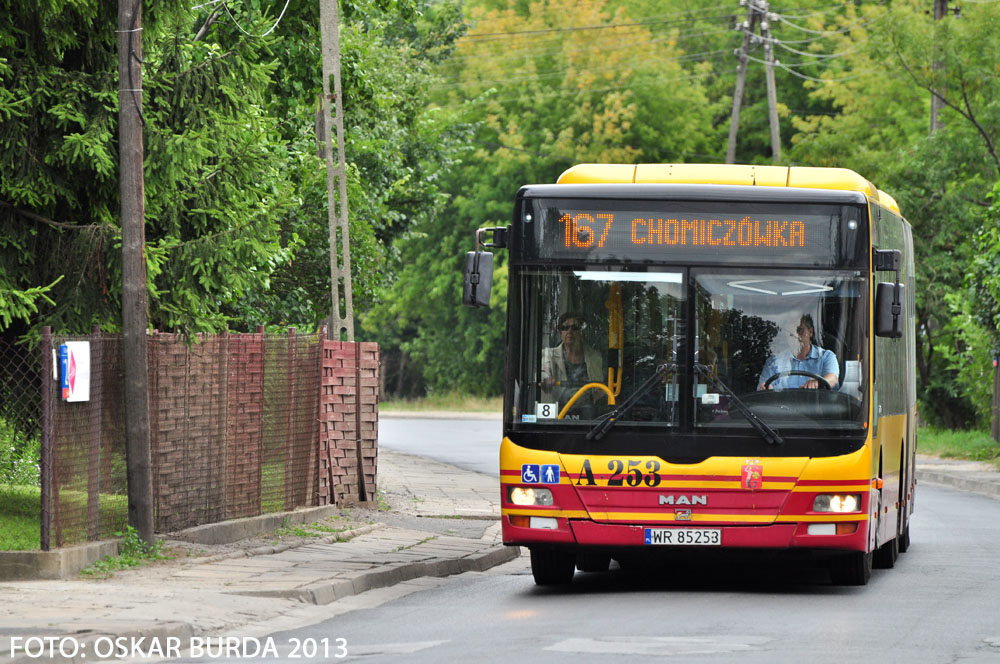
(326, 592)
(984, 487)
(321, 593)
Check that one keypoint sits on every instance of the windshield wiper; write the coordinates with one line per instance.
(611, 418)
(762, 427)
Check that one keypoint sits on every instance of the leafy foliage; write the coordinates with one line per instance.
(236, 222)
(450, 107)
(20, 455)
(533, 106)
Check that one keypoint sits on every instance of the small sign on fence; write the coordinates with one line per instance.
(74, 365)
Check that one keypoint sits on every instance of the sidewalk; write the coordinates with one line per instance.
(974, 476)
(238, 590)
(442, 521)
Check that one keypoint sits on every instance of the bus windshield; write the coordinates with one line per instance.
(789, 344)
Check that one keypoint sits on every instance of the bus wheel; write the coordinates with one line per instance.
(852, 569)
(904, 539)
(885, 555)
(552, 568)
(593, 562)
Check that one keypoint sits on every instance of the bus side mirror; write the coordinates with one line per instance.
(889, 310)
(478, 279)
(479, 267)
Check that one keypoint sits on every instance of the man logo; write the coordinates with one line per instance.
(682, 515)
(683, 500)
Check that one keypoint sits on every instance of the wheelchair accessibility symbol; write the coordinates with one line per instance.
(533, 473)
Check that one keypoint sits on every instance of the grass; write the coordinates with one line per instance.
(132, 552)
(382, 501)
(20, 518)
(333, 525)
(451, 401)
(952, 444)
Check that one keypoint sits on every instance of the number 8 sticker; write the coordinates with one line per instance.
(546, 411)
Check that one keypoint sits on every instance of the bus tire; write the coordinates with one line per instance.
(885, 555)
(852, 569)
(552, 568)
(904, 539)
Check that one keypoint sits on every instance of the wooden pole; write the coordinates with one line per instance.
(940, 11)
(995, 429)
(135, 317)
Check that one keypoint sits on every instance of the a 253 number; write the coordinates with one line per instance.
(628, 472)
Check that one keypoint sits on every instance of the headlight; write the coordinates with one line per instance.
(837, 503)
(522, 495)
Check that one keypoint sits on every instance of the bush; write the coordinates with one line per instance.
(19, 456)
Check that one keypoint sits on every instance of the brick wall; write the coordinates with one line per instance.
(189, 389)
(348, 419)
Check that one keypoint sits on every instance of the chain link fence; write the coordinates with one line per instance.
(88, 494)
(20, 446)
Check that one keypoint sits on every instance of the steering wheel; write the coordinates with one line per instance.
(781, 374)
(579, 393)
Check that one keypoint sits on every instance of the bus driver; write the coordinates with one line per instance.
(570, 365)
(802, 355)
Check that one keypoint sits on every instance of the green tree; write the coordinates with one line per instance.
(880, 89)
(539, 95)
(396, 146)
(235, 189)
(215, 167)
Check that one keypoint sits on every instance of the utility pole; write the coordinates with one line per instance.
(757, 14)
(772, 92)
(995, 419)
(940, 11)
(340, 263)
(135, 317)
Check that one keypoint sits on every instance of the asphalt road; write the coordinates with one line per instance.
(941, 603)
(469, 444)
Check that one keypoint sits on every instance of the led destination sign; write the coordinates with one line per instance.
(582, 230)
(819, 235)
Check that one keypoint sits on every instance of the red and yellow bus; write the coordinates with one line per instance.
(705, 357)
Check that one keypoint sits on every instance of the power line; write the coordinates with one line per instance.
(824, 33)
(562, 93)
(819, 56)
(248, 34)
(611, 44)
(492, 36)
(553, 73)
(813, 78)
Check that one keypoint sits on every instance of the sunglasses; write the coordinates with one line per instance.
(567, 327)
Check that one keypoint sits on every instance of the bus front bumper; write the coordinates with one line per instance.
(583, 533)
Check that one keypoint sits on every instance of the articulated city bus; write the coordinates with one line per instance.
(705, 357)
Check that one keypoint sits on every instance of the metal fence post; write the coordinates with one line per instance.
(290, 421)
(45, 467)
